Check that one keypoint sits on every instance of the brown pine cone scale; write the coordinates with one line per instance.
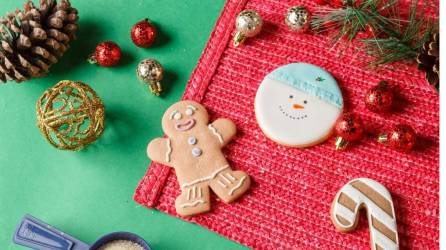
(33, 39)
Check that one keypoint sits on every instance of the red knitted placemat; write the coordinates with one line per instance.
(289, 202)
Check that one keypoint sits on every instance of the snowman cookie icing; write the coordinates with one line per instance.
(298, 104)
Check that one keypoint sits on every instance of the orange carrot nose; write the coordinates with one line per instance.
(297, 106)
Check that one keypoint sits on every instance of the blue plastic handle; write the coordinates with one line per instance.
(38, 235)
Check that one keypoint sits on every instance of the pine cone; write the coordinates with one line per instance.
(33, 39)
(429, 60)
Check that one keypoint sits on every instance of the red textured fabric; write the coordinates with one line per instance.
(289, 202)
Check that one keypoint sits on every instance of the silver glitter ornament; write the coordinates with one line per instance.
(151, 72)
(298, 19)
(248, 24)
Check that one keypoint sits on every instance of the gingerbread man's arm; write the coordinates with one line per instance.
(160, 150)
(224, 130)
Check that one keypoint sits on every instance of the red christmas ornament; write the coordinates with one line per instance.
(143, 34)
(379, 98)
(349, 128)
(321, 2)
(107, 54)
(402, 137)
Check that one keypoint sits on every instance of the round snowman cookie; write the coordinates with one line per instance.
(298, 104)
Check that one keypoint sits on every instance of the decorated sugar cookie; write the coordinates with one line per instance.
(193, 147)
(298, 104)
(376, 200)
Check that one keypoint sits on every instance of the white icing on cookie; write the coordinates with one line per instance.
(231, 192)
(298, 105)
(193, 204)
(216, 133)
(210, 177)
(380, 211)
(169, 150)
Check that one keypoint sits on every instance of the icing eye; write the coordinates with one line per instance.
(189, 112)
(305, 102)
(291, 96)
(177, 116)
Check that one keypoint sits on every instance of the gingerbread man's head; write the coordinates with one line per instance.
(184, 117)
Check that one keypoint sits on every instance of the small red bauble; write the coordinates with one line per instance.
(401, 137)
(321, 2)
(349, 128)
(143, 34)
(379, 98)
(107, 54)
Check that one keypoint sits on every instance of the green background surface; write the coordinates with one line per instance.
(89, 193)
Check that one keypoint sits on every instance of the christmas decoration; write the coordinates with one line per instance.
(298, 19)
(143, 34)
(107, 54)
(321, 2)
(379, 98)
(151, 72)
(349, 128)
(400, 42)
(401, 137)
(248, 24)
(347, 18)
(33, 39)
(429, 60)
(70, 115)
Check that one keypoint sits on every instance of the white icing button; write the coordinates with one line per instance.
(298, 104)
(196, 152)
(192, 140)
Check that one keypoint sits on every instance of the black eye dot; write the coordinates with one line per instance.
(305, 102)
(291, 96)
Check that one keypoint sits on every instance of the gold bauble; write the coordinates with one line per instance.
(70, 115)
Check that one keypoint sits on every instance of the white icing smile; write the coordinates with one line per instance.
(186, 125)
(293, 117)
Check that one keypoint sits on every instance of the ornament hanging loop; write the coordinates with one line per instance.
(155, 88)
(239, 38)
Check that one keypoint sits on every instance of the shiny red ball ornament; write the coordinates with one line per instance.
(402, 137)
(379, 98)
(321, 2)
(107, 54)
(349, 128)
(143, 34)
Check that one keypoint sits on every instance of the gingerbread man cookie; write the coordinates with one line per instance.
(193, 149)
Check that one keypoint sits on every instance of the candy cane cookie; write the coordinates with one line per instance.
(377, 201)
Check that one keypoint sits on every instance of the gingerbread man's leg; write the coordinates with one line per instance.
(229, 185)
(194, 199)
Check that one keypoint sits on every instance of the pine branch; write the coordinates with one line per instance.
(349, 21)
(402, 42)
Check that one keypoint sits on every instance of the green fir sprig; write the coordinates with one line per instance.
(347, 22)
(401, 42)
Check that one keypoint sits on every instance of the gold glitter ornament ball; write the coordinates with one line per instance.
(298, 19)
(248, 24)
(151, 72)
(70, 115)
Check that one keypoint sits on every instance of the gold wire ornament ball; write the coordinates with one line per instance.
(70, 115)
